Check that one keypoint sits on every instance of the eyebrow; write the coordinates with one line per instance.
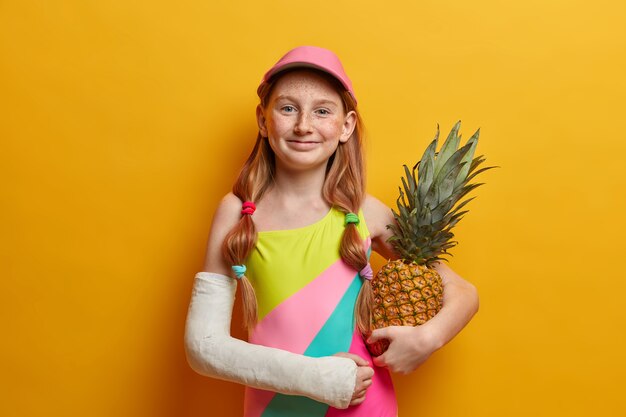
(318, 102)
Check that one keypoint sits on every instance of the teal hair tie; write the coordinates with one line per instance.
(239, 270)
(352, 218)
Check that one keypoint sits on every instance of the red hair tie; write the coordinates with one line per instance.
(248, 207)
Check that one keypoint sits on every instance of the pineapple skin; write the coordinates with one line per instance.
(405, 294)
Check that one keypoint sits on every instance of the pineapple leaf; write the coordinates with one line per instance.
(448, 182)
(416, 203)
(456, 218)
(402, 194)
(441, 211)
(424, 216)
(428, 154)
(404, 213)
(444, 207)
(448, 148)
(453, 161)
(463, 203)
(426, 178)
(460, 192)
(402, 220)
(473, 141)
(412, 185)
(433, 197)
(469, 187)
(401, 200)
(479, 171)
(475, 162)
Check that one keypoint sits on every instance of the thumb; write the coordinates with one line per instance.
(379, 334)
(356, 358)
(359, 360)
(380, 361)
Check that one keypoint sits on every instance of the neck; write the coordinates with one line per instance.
(301, 185)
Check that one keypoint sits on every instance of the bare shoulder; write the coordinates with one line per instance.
(226, 216)
(229, 207)
(377, 217)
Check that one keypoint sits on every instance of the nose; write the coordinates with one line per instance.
(303, 124)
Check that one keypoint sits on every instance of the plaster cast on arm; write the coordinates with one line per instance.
(211, 351)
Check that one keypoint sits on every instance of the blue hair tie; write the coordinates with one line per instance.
(351, 218)
(239, 270)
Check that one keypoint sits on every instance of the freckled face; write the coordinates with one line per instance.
(304, 120)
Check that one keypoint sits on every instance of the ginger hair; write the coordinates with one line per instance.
(344, 188)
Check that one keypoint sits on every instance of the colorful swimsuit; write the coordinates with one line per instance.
(306, 296)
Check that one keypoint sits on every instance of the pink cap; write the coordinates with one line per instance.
(311, 57)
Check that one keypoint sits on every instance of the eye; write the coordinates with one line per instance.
(323, 112)
(288, 109)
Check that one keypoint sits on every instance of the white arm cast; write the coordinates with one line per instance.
(211, 351)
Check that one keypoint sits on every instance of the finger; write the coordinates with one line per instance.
(357, 401)
(368, 373)
(359, 360)
(358, 396)
(380, 361)
(361, 388)
(378, 334)
(356, 358)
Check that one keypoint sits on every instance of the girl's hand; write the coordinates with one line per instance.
(364, 374)
(409, 347)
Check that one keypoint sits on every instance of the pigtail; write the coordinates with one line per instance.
(254, 179)
(353, 253)
(363, 309)
(345, 189)
(351, 249)
(237, 245)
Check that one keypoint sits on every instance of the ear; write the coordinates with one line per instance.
(261, 120)
(349, 123)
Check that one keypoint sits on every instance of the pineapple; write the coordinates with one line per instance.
(407, 291)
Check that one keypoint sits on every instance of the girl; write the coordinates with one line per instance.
(296, 233)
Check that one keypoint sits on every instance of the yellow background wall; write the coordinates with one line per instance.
(123, 123)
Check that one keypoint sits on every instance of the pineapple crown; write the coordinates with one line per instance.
(427, 207)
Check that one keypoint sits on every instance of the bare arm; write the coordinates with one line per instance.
(460, 303)
(225, 218)
(377, 217)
